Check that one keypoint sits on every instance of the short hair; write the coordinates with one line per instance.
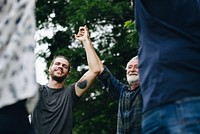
(60, 56)
(134, 58)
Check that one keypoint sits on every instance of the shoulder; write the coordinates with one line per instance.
(70, 91)
(70, 87)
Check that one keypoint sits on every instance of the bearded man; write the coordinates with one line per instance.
(128, 97)
(53, 114)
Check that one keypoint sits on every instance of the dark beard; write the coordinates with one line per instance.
(59, 79)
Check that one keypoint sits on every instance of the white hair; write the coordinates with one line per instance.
(134, 58)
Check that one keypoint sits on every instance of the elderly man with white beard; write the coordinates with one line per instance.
(128, 97)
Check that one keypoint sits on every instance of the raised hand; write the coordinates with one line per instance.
(82, 34)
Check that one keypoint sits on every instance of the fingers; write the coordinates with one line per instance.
(80, 33)
(83, 32)
(86, 28)
(76, 36)
(83, 28)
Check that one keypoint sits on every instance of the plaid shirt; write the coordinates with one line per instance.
(129, 103)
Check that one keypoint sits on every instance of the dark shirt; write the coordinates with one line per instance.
(169, 52)
(53, 114)
(129, 103)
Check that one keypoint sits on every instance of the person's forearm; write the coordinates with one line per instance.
(99, 63)
(93, 61)
(101, 66)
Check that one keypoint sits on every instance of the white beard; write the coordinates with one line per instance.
(132, 79)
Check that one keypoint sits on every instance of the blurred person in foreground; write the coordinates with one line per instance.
(169, 65)
(17, 72)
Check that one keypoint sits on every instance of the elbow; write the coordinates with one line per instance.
(97, 71)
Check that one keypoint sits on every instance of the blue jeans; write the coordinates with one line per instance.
(181, 117)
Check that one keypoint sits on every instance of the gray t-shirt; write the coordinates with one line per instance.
(53, 114)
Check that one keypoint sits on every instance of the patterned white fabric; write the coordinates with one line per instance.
(17, 60)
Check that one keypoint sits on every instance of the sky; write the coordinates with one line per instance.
(40, 66)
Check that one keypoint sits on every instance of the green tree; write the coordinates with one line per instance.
(96, 112)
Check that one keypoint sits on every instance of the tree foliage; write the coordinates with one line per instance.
(112, 38)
